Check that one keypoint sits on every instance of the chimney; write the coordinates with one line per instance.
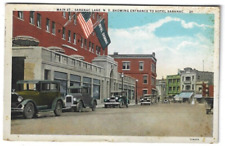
(153, 53)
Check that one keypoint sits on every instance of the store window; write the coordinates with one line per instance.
(75, 80)
(96, 89)
(144, 91)
(62, 78)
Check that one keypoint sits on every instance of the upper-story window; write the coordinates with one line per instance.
(193, 77)
(64, 14)
(20, 14)
(75, 19)
(153, 68)
(74, 38)
(85, 43)
(126, 65)
(145, 79)
(90, 46)
(153, 81)
(47, 24)
(31, 17)
(69, 15)
(141, 65)
(69, 36)
(93, 15)
(38, 20)
(53, 27)
(82, 42)
(63, 33)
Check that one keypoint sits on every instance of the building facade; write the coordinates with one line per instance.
(39, 63)
(173, 85)
(141, 67)
(161, 88)
(59, 30)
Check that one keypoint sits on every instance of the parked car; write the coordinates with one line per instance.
(209, 105)
(117, 98)
(166, 101)
(33, 96)
(79, 97)
(146, 99)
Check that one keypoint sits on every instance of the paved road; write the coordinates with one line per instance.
(155, 120)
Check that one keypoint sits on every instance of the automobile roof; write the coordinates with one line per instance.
(76, 87)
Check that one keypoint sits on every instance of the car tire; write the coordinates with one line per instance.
(106, 106)
(58, 108)
(29, 110)
(80, 106)
(93, 106)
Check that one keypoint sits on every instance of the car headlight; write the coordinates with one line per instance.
(117, 98)
(108, 98)
(20, 98)
(74, 99)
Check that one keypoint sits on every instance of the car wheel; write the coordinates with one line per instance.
(58, 108)
(93, 106)
(106, 106)
(29, 110)
(120, 105)
(79, 106)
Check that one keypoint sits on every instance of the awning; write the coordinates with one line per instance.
(56, 49)
(25, 41)
(185, 94)
(198, 96)
(77, 56)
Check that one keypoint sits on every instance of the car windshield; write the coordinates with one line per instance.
(28, 87)
(75, 91)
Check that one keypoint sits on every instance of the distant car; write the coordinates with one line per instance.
(79, 97)
(117, 98)
(146, 99)
(33, 96)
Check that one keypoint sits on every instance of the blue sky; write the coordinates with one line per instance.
(179, 40)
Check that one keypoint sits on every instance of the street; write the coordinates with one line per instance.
(173, 119)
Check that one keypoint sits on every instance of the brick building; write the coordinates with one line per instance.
(59, 31)
(139, 66)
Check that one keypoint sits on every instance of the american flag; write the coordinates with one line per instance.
(84, 19)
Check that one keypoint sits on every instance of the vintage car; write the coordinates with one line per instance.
(146, 99)
(33, 96)
(209, 105)
(117, 98)
(79, 97)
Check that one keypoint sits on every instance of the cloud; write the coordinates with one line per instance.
(172, 53)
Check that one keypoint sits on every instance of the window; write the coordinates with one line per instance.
(85, 43)
(53, 27)
(47, 74)
(75, 19)
(69, 16)
(193, 77)
(82, 42)
(153, 81)
(47, 25)
(75, 80)
(178, 80)
(170, 88)
(31, 17)
(74, 38)
(69, 36)
(145, 91)
(38, 20)
(89, 46)
(174, 88)
(188, 78)
(193, 87)
(145, 79)
(126, 65)
(93, 15)
(178, 88)
(141, 65)
(96, 89)
(153, 68)
(92, 47)
(64, 14)
(20, 14)
(63, 33)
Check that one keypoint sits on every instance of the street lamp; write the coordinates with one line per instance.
(136, 102)
(122, 76)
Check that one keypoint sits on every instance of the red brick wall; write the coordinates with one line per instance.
(46, 39)
(134, 72)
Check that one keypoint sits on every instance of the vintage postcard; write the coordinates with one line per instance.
(115, 73)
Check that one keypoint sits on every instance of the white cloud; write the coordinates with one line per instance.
(171, 52)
